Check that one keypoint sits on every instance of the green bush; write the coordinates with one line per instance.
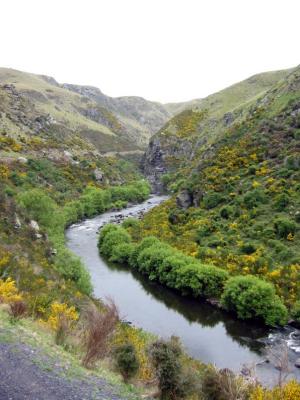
(173, 381)
(167, 271)
(38, 205)
(112, 239)
(226, 212)
(212, 199)
(281, 201)
(71, 268)
(151, 258)
(252, 298)
(131, 223)
(126, 360)
(201, 280)
(122, 252)
(295, 312)
(146, 242)
(284, 226)
(254, 197)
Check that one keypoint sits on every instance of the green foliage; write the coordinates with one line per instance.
(212, 199)
(281, 201)
(173, 381)
(38, 205)
(250, 297)
(151, 258)
(146, 242)
(71, 267)
(295, 312)
(126, 360)
(284, 226)
(131, 223)
(112, 238)
(201, 280)
(254, 197)
(122, 252)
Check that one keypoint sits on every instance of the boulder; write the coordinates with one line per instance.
(99, 175)
(34, 225)
(17, 222)
(22, 160)
(184, 199)
(297, 363)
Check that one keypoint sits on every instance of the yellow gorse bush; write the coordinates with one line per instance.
(138, 338)
(290, 391)
(61, 311)
(8, 291)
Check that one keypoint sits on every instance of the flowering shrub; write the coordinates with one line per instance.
(61, 311)
(290, 391)
(8, 291)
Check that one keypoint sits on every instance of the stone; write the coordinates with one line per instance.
(34, 225)
(184, 199)
(23, 160)
(98, 174)
(297, 363)
(17, 223)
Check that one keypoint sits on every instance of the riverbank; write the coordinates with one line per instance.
(204, 330)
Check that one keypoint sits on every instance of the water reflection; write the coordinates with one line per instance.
(196, 311)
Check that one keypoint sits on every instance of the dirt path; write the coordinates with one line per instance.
(26, 373)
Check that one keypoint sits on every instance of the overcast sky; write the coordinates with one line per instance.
(164, 50)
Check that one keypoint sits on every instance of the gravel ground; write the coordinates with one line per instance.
(26, 373)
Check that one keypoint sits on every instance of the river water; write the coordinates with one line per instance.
(207, 333)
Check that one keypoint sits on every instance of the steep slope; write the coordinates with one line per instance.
(199, 122)
(237, 201)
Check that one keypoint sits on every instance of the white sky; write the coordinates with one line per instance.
(164, 50)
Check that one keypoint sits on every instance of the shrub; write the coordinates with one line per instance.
(226, 212)
(201, 280)
(122, 252)
(212, 199)
(131, 223)
(8, 291)
(250, 297)
(284, 226)
(112, 239)
(295, 312)
(151, 258)
(248, 248)
(167, 271)
(17, 309)
(173, 381)
(254, 197)
(289, 391)
(146, 242)
(38, 205)
(98, 331)
(71, 267)
(223, 385)
(281, 201)
(126, 360)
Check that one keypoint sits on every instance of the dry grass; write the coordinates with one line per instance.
(99, 329)
(17, 309)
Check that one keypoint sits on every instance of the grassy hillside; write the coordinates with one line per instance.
(237, 201)
(234, 96)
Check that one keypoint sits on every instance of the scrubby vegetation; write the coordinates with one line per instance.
(247, 296)
(236, 201)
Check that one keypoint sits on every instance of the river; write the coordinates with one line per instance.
(207, 333)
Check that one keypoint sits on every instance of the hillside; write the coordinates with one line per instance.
(236, 203)
(122, 124)
(199, 122)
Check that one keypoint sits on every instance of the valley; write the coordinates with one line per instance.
(212, 257)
